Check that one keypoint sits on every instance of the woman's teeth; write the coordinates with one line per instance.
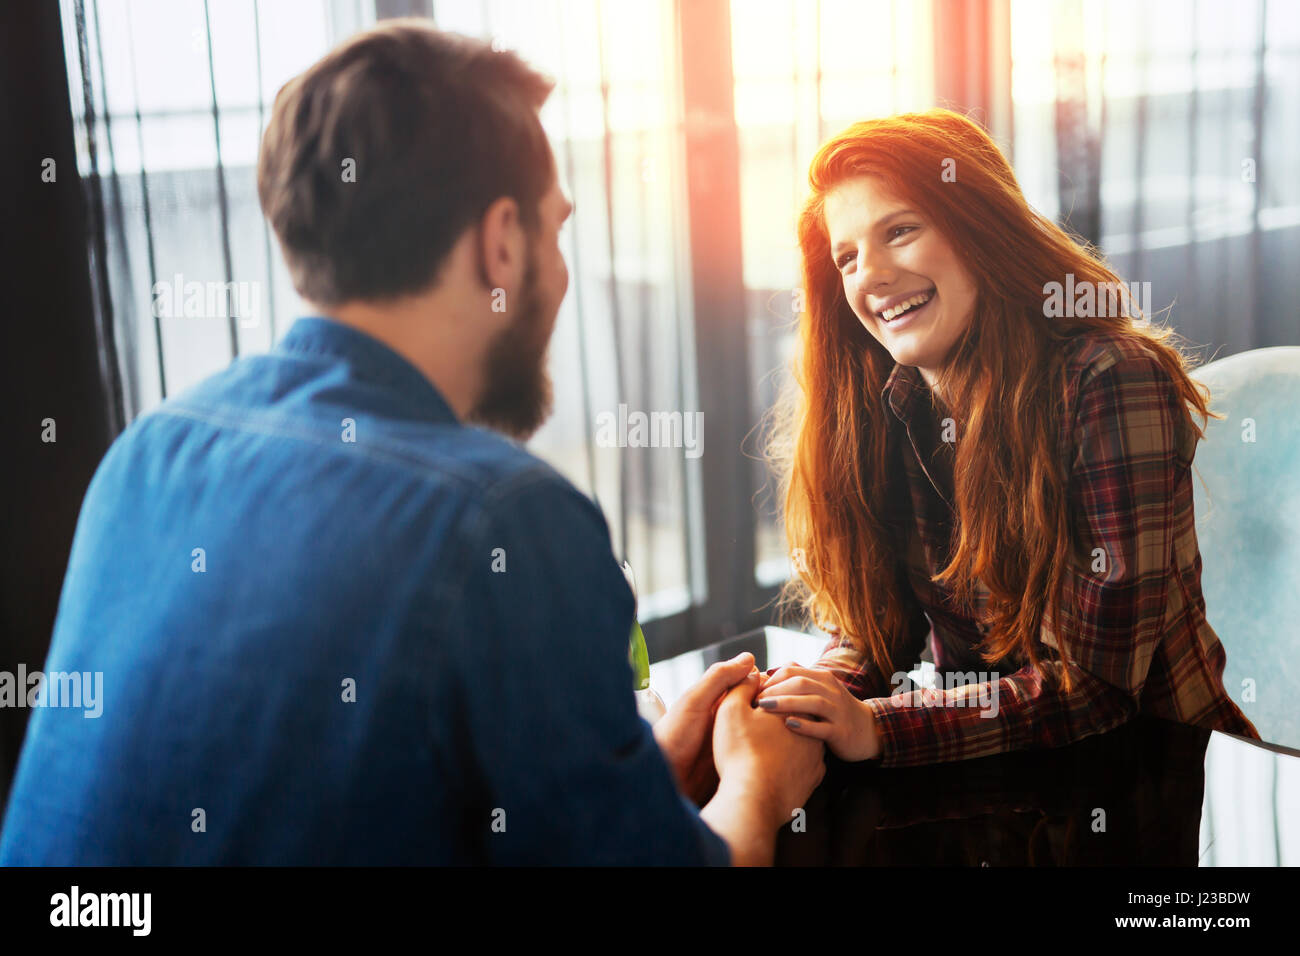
(913, 302)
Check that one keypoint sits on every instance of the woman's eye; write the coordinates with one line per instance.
(895, 232)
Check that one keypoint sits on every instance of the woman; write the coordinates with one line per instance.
(962, 442)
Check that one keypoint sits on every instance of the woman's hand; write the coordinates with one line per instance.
(817, 705)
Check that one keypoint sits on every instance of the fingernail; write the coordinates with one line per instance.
(768, 704)
(793, 722)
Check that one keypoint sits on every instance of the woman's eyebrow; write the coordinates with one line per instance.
(893, 215)
(883, 220)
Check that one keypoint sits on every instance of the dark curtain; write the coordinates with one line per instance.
(58, 346)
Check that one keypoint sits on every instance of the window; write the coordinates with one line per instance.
(804, 71)
(683, 130)
(181, 92)
(1193, 112)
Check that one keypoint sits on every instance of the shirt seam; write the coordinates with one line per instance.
(374, 449)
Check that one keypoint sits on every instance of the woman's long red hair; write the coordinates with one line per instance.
(1003, 387)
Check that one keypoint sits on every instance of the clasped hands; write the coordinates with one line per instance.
(736, 725)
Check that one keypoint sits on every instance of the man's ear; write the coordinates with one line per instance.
(502, 245)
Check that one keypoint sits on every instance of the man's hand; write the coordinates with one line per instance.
(685, 732)
(815, 704)
(766, 773)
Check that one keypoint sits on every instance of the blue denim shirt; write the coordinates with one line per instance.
(337, 626)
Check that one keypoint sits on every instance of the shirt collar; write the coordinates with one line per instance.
(903, 389)
(370, 361)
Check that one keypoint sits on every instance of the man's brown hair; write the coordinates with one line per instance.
(437, 127)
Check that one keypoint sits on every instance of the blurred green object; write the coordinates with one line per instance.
(648, 703)
(637, 654)
(639, 658)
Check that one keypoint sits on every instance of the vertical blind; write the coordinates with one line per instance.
(1168, 133)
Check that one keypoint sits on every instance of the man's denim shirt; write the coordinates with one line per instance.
(334, 625)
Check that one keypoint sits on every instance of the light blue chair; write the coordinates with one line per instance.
(1248, 527)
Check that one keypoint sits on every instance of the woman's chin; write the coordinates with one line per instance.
(905, 356)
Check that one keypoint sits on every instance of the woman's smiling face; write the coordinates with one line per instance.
(889, 258)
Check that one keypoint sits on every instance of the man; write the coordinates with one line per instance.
(334, 622)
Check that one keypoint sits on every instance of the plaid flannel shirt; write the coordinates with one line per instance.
(1138, 641)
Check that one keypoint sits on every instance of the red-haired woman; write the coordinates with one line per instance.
(962, 442)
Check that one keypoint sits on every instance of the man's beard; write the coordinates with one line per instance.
(516, 395)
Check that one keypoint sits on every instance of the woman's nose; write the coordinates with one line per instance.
(873, 272)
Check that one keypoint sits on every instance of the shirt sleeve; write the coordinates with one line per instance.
(860, 675)
(1128, 452)
(566, 771)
